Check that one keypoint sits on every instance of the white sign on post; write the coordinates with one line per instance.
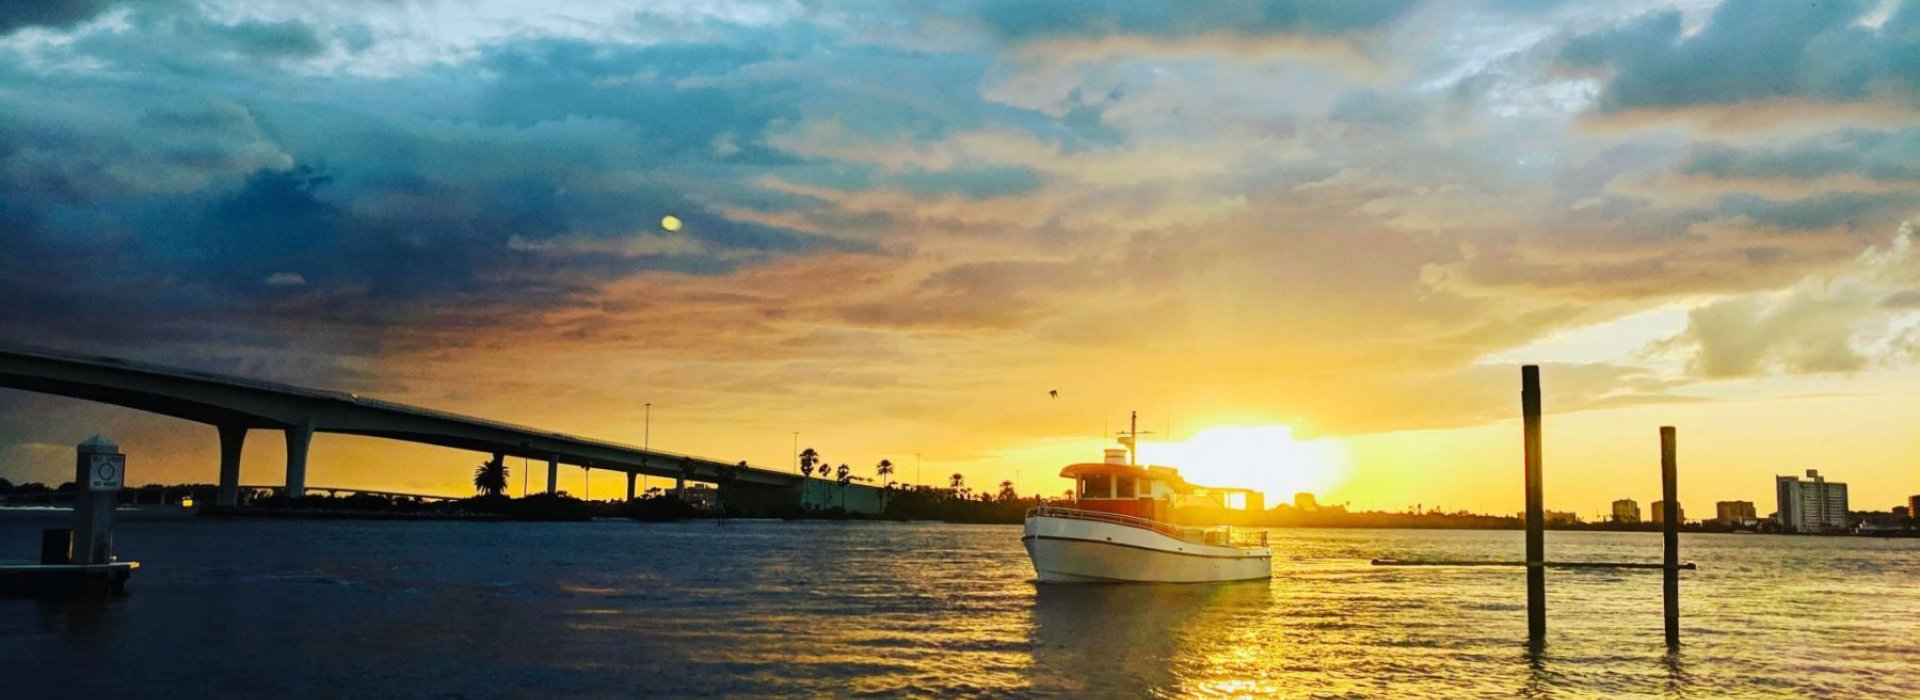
(106, 472)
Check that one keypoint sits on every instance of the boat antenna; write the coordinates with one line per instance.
(1131, 438)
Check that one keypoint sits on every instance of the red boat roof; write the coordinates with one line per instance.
(1156, 473)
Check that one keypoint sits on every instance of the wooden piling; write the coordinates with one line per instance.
(1536, 517)
(1670, 533)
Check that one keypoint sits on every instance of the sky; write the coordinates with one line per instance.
(1329, 232)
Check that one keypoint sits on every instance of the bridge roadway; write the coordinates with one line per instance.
(236, 406)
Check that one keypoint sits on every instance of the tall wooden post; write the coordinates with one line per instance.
(1536, 517)
(1670, 533)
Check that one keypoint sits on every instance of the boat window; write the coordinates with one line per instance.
(1123, 487)
(1096, 486)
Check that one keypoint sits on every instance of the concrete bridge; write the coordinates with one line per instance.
(337, 490)
(237, 406)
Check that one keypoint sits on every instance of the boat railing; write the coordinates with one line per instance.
(1221, 536)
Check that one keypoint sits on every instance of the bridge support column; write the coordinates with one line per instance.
(298, 438)
(553, 475)
(630, 476)
(232, 437)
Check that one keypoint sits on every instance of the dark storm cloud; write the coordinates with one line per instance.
(55, 14)
(1752, 50)
(196, 195)
(1015, 19)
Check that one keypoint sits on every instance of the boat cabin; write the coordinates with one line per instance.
(1151, 492)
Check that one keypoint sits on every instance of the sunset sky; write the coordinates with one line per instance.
(905, 223)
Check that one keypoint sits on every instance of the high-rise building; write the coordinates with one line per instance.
(1626, 510)
(1813, 505)
(1913, 506)
(1735, 512)
(1660, 513)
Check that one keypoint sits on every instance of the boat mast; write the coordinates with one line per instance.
(1131, 438)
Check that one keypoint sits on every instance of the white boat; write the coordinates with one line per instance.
(1119, 530)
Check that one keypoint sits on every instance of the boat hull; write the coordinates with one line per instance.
(1066, 550)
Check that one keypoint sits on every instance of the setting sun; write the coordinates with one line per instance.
(1263, 457)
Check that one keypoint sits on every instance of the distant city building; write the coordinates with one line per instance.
(1813, 505)
(1561, 517)
(1660, 512)
(1735, 513)
(1913, 506)
(1305, 502)
(1880, 521)
(701, 496)
(1626, 510)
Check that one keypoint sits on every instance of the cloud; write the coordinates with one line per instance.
(285, 279)
(57, 14)
(1020, 20)
(1324, 211)
(1874, 156)
(1845, 321)
(287, 39)
(1748, 51)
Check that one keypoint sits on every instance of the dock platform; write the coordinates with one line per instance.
(65, 580)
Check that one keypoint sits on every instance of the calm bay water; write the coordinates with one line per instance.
(619, 609)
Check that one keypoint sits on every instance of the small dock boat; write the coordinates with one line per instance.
(1119, 529)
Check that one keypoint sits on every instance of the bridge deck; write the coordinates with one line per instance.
(239, 404)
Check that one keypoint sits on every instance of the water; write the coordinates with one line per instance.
(619, 609)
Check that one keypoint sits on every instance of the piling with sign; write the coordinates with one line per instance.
(80, 561)
(101, 467)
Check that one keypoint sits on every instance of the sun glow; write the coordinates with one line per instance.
(1265, 458)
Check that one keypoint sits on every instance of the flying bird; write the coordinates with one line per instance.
(1053, 393)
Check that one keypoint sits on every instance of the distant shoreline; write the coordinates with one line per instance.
(252, 513)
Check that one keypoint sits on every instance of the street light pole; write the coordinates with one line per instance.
(646, 444)
(916, 470)
(796, 451)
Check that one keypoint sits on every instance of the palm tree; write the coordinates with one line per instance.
(843, 475)
(1006, 491)
(884, 469)
(686, 472)
(490, 478)
(808, 457)
(726, 483)
(957, 483)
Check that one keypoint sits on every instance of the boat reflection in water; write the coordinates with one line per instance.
(1123, 640)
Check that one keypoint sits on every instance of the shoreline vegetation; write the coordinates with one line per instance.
(909, 503)
(914, 503)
